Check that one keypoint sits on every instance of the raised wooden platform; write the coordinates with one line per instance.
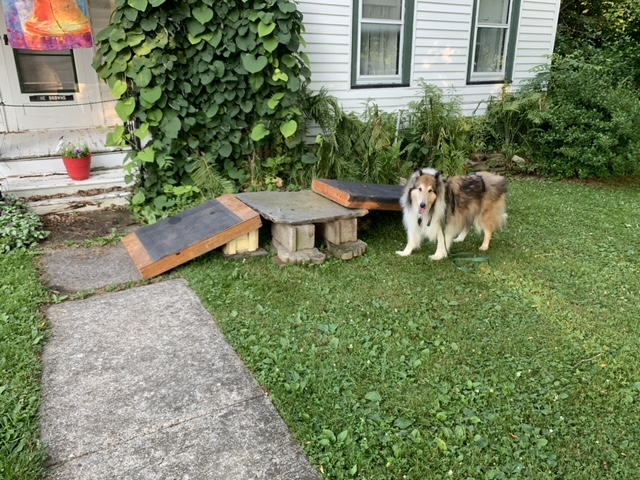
(295, 216)
(359, 195)
(165, 245)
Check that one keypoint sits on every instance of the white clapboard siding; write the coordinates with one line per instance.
(100, 12)
(440, 52)
(536, 37)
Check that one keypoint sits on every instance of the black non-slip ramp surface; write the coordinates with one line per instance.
(183, 237)
(371, 196)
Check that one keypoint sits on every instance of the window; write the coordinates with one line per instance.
(382, 35)
(42, 71)
(493, 40)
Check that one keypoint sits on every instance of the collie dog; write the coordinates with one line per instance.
(444, 210)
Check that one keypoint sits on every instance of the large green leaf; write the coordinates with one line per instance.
(286, 6)
(143, 78)
(275, 100)
(147, 155)
(117, 137)
(265, 29)
(288, 129)
(172, 127)
(194, 27)
(142, 132)
(225, 149)
(125, 107)
(293, 84)
(212, 110)
(270, 43)
(138, 198)
(151, 95)
(202, 13)
(140, 5)
(145, 48)
(149, 24)
(253, 64)
(154, 116)
(215, 38)
(119, 88)
(259, 132)
(255, 82)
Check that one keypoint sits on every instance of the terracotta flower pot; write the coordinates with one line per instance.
(78, 168)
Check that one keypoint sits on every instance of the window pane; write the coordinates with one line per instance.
(379, 49)
(382, 9)
(45, 72)
(493, 11)
(489, 55)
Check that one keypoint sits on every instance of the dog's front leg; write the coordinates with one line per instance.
(412, 245)
(414, 239)
(444, 244)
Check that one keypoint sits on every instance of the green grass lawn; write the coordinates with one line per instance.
(390, 368)
(22, 333)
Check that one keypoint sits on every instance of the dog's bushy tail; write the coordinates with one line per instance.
(496, 184)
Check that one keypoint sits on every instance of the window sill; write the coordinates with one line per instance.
(379, 85)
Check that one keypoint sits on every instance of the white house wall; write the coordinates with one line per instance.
(442, 30)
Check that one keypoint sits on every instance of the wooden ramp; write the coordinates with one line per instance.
(359, 195)
(165, 245)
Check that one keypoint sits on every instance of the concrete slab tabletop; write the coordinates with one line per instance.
(298, 208)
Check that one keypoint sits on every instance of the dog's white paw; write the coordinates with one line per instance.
(437, 256)
(483, 248)
(403, 253)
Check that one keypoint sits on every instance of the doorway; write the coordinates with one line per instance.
(44, 89)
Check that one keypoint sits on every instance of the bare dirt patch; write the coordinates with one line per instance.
(79, 227)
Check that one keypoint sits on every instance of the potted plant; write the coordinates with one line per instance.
(76, 158)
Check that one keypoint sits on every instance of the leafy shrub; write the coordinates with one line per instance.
(509, 121)
(590, 128)
(435, 132)
(20, 228)
(357, 148)
(201, 81)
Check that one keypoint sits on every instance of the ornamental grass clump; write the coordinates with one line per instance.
(20, 228)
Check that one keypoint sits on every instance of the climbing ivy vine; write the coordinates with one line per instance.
(201, 82)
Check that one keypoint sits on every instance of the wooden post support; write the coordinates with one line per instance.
(246, 243)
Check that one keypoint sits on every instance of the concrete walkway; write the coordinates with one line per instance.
(141, 384)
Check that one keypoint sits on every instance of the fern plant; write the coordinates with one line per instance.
(435, 133)
(351, 147)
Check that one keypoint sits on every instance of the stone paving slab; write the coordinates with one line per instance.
(73, 270)
(141, 384)
(298, 208)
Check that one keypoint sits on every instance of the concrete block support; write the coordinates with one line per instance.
(339, 231)
(294, 237)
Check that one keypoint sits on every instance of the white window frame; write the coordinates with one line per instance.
(479, 77)
(380, 79)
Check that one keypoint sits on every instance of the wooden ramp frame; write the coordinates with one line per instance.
(158, 248)
(359, 195)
